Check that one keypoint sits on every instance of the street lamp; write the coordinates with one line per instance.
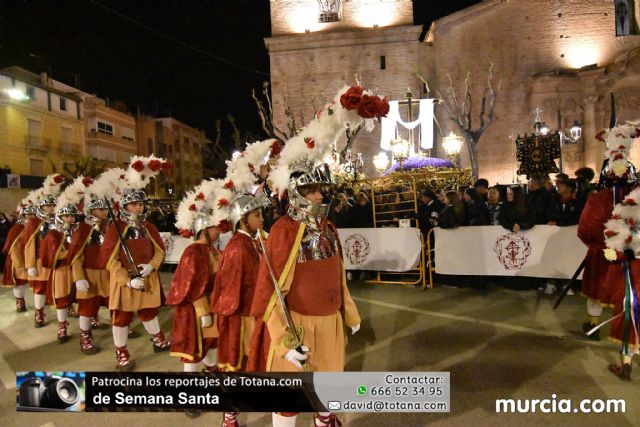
(381, 161)
(400, 149)
(353, 164)
(16, 94)
(452, 145)
(575, 133)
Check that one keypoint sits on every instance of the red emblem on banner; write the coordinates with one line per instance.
(513, 250)
(357, 249)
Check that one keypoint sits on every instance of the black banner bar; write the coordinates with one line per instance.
(219, 392)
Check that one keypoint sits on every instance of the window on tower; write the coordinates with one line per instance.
(330, 10)
(626, 18)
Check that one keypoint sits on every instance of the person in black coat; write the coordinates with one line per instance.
(428, 211)
(517, 214)
(452, 215)
(544, 202)
(476, 212)
(362, 212)
(570, 207)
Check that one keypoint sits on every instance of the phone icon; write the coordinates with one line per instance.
(362, 390)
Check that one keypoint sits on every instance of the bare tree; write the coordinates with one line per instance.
(461, 113)
(86, 166)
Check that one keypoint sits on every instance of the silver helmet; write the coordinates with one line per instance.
(132, 195)
(245, 203)
(47, 201)
(24, 211)
(305, 174)
(68, 209)
(203, 220)
(95, 202)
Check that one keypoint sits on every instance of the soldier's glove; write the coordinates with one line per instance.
(295, 357)
(355, 329)
(136, 283)
(206, 321)
(145, 269)
(82, 285)
(32, 271)
(629, 254)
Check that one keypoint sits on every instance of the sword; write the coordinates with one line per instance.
(133, 270)
(569, 283)
(293, 332)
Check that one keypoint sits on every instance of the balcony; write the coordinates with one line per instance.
(69, 148)
(37, 144)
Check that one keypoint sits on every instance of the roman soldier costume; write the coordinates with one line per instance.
(622, 282)
(34, 234)
(303, 259)
(15, 274)
(194, 334)
(134, 283)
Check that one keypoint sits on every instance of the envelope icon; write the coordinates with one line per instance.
(334, 406)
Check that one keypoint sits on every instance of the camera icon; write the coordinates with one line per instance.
(52, 393)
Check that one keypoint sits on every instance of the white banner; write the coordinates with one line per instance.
(383, 249)
(543, 251)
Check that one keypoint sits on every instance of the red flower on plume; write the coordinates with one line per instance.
(275, 149)
(600, 135)
(628, 239)
(155, 165)
(224, 226)
(138, 166)
(616, 216)
(185, 233)
(350, 100)
(166, 166)
(58, 179)
(622, 147)
(200, 196)
(223, 202)
(87, 181)
(192, 207)
(121, 176)
(310, 143)
(228, 185)
(610, 233)
(618, 157)
(373, 106)
(630, 202)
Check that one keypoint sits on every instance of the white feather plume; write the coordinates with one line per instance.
(50, 187)
(243, 170)
(73, 194)
(324, 130)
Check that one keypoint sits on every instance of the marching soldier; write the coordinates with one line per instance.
(15, 275)
(133, 259)
(35, 232)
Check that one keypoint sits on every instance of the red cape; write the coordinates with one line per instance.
(192, 278)
(30, 228)
(14, 231)
(111, 239)
(78, 239)
(236, 277)
(277, 248)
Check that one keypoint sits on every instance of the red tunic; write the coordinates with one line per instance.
(232, 296)
(13, 238)
(591, 231)
(192, 281)
(277, 248)
(148, 249)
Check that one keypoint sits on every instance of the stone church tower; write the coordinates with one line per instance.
(318, 46)
(562, 56)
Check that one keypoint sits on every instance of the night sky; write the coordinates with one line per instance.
(79, 41)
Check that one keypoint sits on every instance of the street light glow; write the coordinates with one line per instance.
(16, 94)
